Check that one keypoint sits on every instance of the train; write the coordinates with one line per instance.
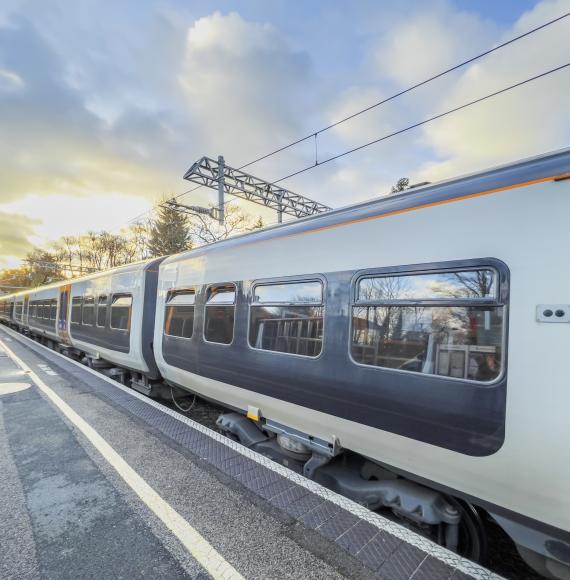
(408, 352)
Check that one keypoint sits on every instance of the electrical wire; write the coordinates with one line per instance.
(178, 406)
(314, 134)
(425, 121)
(407, 90)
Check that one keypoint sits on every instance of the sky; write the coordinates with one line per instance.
(105, 105)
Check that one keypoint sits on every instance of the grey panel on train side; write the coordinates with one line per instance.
(103, 336)
(461, 415)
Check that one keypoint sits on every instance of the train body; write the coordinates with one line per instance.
(426, 332)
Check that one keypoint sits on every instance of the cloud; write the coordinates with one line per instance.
(246, 85)
(425, 41)
(108, 113)
(52, 143)
(527, 121)
(79, 214)
(9, 81)
(15, 233)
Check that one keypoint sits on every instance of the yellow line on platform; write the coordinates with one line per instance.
(197, 545)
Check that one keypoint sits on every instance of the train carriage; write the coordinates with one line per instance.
(111, 318)
(42, 312)
(420, 331)
(6, 309)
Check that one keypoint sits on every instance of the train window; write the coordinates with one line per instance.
(53, 309)
(179, 319)
(288, 318)
(121, 311)
(102, 311)
(220, 308)
(76, 309)
(88, 314)
(33, 309)
(441, 286)
(447, 323)
(46, 309)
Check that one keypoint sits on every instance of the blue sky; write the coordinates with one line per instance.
(104, 105)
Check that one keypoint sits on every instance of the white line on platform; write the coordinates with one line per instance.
(196, 544)
(431, 548)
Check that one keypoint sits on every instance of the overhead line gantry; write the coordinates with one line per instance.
(230, 181)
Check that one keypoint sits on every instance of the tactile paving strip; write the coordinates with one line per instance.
(389, 550)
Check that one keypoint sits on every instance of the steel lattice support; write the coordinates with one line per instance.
(219, 176)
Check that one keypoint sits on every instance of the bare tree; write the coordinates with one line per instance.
(206, 230)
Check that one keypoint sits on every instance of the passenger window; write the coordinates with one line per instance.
(288, 318)
(179, 316)
(88, 316)
(34, 309)
(445, 323)
(121, 311)
(53, 310)
(75, 310)
(220, 307)
(102, 311)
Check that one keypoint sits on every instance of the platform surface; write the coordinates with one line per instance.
(80, 460)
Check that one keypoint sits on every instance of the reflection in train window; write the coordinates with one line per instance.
(219, 316)
(88, 316)
(444, 286)
(75, 310)
(179, 318)
(446, 324)
(102, 311)
(288, 318)
(121, 311)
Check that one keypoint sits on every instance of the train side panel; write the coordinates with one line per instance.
(110, 314)
(519, 475)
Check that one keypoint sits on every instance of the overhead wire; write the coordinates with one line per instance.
(425, 121)
(407, 90)
(432, 78)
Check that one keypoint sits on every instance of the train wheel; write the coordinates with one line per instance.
(472, 533)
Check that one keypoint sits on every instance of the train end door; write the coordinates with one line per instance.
(63, 313)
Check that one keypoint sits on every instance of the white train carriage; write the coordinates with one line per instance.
(6, 308)
(42, 312)
(17, 309)
(111, 319)
(424, 331)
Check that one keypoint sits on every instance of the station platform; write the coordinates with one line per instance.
(99, 481)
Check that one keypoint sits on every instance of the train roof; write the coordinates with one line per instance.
(546, 167)
(142, 264)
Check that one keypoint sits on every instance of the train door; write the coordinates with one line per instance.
(25, 308)
(63, 315)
